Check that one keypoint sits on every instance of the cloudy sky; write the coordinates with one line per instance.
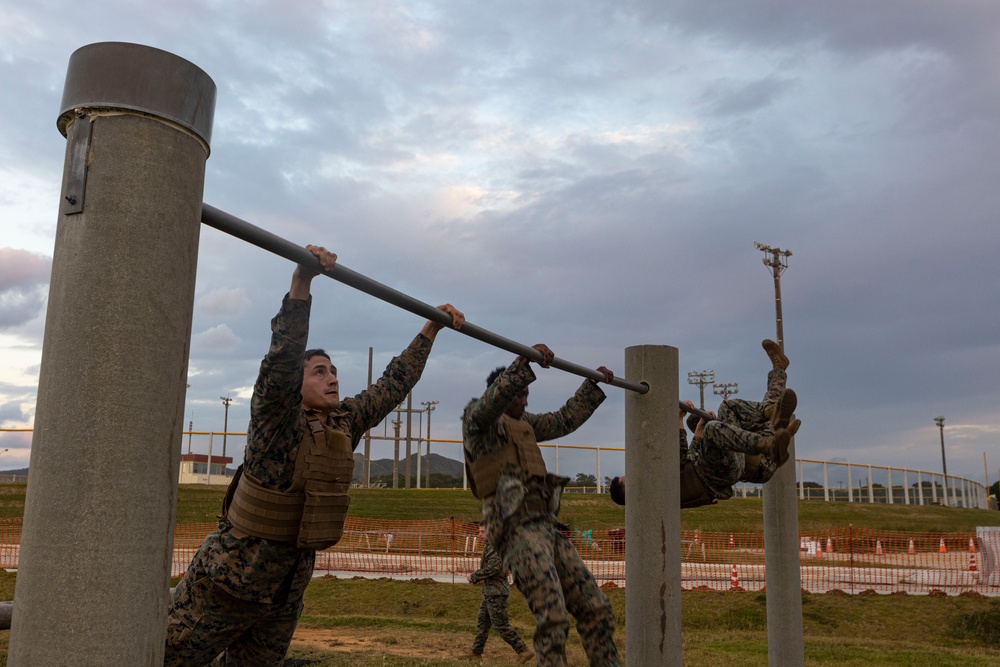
(591, 175)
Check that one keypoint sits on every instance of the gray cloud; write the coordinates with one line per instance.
(590, 176)
(23, 278)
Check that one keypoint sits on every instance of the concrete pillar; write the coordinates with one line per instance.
(785, 641)
(95, 556)
(653, 509)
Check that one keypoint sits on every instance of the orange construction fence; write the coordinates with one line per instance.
(847, 560)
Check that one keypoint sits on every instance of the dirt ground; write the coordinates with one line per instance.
(417, 645)
(423, 644)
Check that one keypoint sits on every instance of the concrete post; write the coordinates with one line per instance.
(785, 641)
(95, 556)
(652, 510)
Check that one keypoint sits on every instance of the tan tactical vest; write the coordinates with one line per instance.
(520, 449)
(311, 513)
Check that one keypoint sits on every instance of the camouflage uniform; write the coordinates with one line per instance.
(246, 594)
(520, 521)
(719, 455)
(493, 608)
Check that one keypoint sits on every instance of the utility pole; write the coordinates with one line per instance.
(429, 405)
(395, 454)
(701, 379)
(366, 474)
(944, 464)
(190, 423)
(226, 401)
(777, 261)
(726, 390)
(409, 433)
(785, 635)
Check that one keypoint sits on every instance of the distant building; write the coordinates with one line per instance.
(196, 470)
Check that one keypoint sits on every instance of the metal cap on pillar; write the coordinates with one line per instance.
(95, 557)
(123, 76)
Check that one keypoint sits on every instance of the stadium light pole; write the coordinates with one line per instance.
(785, 635)
(226, 402)
(726, 390)
(701, 379)
(429, 405)
(944, 463)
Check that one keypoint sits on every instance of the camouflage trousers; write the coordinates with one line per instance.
(750, 415)
(208, 626)
(549, 572)
(493, 611)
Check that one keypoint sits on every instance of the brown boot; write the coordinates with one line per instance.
(782, 410)
(776, 447)
(774, 353)
(525, 655)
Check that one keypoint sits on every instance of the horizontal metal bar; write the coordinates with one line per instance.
(245, 231)
(696, 412)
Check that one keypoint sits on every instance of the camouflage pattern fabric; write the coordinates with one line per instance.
(520, 522)
(246, 593)
(493, 608)
(493, 612)
(491, 573)
(750, 415)
(718, 456)
(551, 575)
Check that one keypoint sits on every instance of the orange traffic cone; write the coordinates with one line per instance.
(972, 562)
(819, 548)
(878, 547)
(912, 549)
(829, 546)
(732, 542)
(734, 579)
(941, 548)
(972, 546)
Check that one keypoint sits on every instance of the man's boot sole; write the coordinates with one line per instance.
(784, 408)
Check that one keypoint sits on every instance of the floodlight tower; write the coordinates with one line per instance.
(944, 463)
(701, 379)
(429, 405)
(726, 390)
(785, 636)
(226, 401)
(777, 261)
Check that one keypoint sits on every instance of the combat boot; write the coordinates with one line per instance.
(776, 447)
(774, 353)
(782, 410)
(525, 655)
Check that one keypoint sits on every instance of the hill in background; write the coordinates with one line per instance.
(439, 465)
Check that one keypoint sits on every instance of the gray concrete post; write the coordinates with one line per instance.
(652, 509)
(95, 556)
(785, 641)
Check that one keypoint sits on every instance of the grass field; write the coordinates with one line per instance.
(364, 623)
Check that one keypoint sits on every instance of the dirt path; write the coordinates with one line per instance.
(426, 645)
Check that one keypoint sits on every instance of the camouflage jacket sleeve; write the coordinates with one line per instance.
(570, 416)
(274, 407)
(491, 573)
(481, 419)
(489, 567)
(682, 437)
(366, 410)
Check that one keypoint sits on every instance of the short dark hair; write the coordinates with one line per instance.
(317, 352)
(495, 374)
(617, 490)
